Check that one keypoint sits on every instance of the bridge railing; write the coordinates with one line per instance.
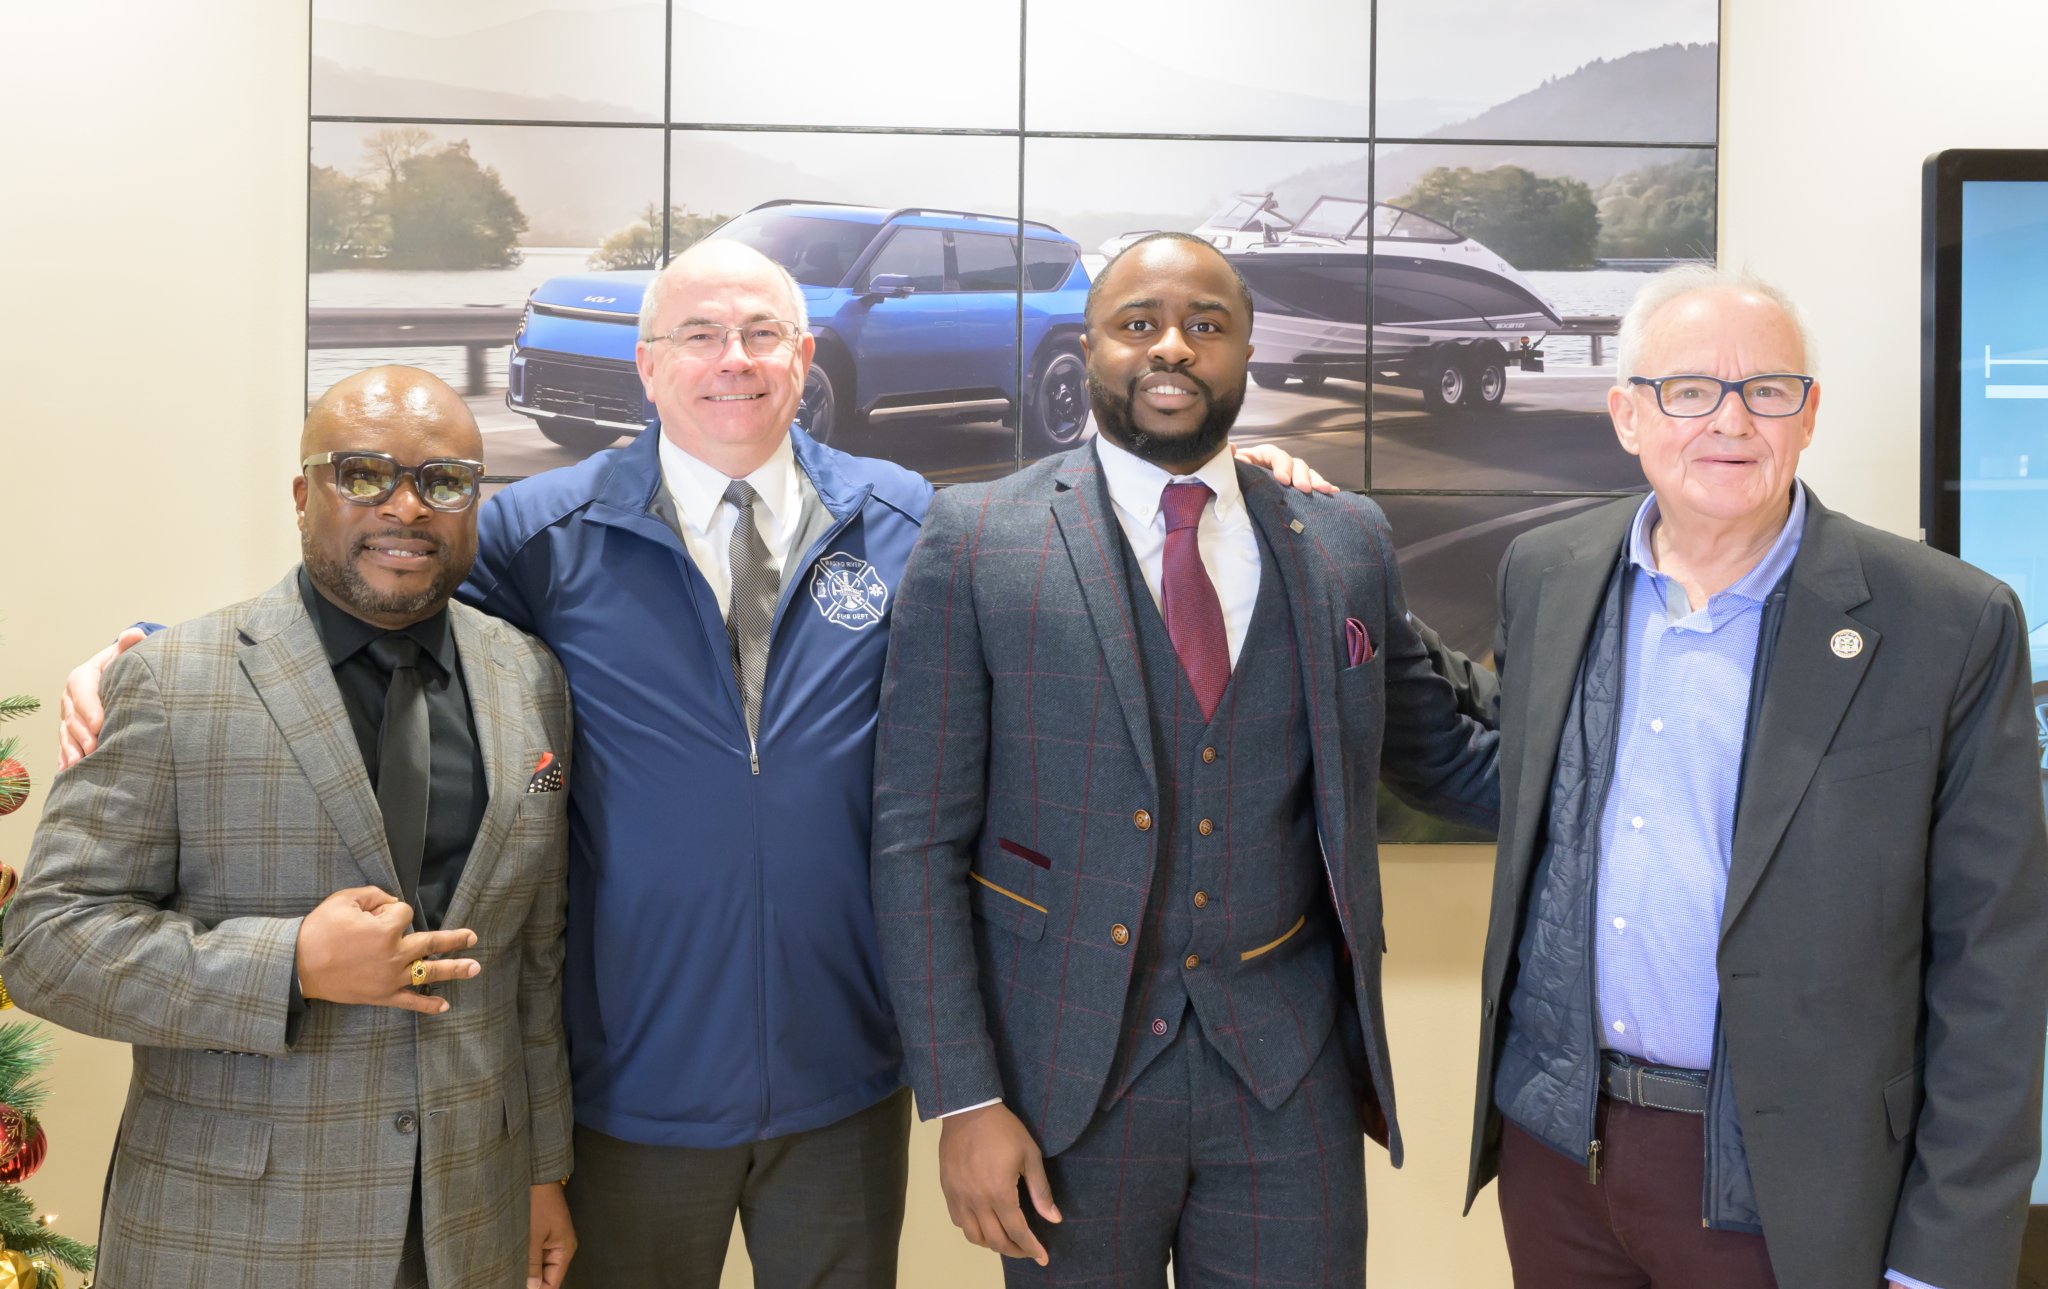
(476, 328)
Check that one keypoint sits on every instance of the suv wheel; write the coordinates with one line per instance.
(1056, 402)
(823, 413)
(577, 436)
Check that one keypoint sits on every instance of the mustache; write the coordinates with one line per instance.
(363, 542)
(1178, 373)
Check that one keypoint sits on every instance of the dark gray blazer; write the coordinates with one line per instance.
(1884, 945)
(1015, 776)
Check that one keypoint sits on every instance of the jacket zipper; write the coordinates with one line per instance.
(754, 764)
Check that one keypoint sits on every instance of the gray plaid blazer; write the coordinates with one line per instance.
(1014, 722)
(161, 907)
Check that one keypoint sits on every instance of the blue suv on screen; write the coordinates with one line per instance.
(915, 313)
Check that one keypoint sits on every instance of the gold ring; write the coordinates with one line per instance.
(418, 972)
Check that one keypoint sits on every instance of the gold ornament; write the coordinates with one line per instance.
(17, 1272)
(6, 999)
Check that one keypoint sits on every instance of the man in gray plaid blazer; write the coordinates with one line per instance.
(1125, 867)
(251, 878)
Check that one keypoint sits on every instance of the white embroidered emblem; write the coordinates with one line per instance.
(849, 591)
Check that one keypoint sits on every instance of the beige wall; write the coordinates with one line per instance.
(151, 243)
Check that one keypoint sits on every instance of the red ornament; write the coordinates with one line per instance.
(23, 1154)
(14, 785)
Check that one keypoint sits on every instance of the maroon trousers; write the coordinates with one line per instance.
(1638, 1228)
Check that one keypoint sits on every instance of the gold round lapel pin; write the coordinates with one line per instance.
(1846, 644)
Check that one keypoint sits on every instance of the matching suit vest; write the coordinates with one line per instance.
(1239, 936)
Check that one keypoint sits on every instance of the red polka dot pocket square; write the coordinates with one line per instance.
(548, 776)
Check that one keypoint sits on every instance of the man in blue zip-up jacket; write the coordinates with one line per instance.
(730, 1042)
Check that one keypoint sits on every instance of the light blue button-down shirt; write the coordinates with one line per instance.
(1669, 819)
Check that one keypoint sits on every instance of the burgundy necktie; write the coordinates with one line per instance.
(1187, 598)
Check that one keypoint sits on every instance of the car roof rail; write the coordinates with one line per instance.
(910, 210)
(974, 214)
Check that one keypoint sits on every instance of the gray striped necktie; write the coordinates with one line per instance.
(751, 610)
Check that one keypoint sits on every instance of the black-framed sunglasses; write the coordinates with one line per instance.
(367, 478)
(1774, 394)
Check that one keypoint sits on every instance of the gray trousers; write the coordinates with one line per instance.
(1188, 1165)
(820, 1209)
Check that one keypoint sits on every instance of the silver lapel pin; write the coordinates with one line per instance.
(1846, 644)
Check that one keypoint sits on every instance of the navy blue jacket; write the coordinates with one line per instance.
(723, 981)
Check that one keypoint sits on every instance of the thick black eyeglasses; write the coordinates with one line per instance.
(368, 478)
(1776, 394)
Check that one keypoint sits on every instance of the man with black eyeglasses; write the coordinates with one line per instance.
(314, 874)
(1764, 989)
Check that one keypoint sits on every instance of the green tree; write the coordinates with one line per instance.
(344, 220)
(1665, 210)
(447, 212)
(1532, 222)
(638, 246)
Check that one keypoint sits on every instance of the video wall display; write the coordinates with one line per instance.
(1987, 386)
(1442, 208)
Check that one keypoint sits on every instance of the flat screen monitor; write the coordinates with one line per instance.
(1984, 384)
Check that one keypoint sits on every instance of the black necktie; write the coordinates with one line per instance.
(751, 610)
(404, 762)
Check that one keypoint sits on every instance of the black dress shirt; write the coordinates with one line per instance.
(457, 795)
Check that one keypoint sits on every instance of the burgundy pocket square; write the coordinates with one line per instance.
(1024, 853)
(1357, 642)
(548, 776)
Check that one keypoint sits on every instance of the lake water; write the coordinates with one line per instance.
(1599, 292)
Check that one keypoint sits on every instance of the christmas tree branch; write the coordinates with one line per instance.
(23, 1051)
(19, 705)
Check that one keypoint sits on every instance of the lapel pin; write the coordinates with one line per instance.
(1295, 524)
(1846, 644)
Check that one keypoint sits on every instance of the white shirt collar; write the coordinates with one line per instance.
(1136, 484)
(699, 489)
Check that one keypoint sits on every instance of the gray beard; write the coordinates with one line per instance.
(340, 580)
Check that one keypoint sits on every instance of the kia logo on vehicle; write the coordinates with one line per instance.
(600, 299)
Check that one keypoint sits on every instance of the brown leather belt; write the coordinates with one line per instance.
(1655, 1087)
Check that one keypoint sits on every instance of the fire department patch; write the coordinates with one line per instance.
(849, 591)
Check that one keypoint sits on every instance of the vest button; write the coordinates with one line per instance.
(1192, 962)
(405, 1122)
(1201, 899)
(1120, 934)
(1159, 1027)
(1205, 827)
(1143, 819)
(1208, 756)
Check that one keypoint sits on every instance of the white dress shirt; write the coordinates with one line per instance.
(1229, 544)
(699, 494)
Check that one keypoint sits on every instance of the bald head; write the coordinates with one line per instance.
(389, 402)
(395, 560)
(722, 259)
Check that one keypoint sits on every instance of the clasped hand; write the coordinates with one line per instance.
(358, 946)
